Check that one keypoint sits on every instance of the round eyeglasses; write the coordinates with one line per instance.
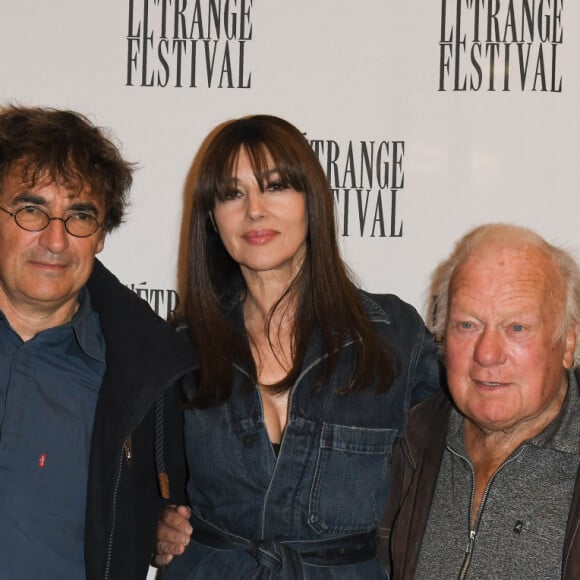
(31, 218)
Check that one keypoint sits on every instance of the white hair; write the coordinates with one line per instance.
(516, 237)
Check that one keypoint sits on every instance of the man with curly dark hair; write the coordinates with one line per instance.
(84, 363)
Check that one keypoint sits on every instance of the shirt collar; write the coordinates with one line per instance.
(562, 434)
(86, 328)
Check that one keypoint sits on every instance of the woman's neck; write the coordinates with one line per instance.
(263, 292)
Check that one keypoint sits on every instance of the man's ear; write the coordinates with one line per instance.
(100, 243)
(570, 345)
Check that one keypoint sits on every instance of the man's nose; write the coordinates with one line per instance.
(55, 237)
(489, 349)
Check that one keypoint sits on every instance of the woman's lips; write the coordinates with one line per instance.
(260, 237)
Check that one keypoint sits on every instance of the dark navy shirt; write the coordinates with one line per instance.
(48, 394)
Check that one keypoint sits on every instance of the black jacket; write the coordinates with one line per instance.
(145, 362)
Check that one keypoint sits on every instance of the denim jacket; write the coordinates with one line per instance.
(305, 513)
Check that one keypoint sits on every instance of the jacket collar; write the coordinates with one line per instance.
(144, 354)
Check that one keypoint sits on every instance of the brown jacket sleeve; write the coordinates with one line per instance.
(416, 461)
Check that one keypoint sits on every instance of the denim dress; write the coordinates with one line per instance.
(312, 511)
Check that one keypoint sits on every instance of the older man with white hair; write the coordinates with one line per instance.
(487, 480)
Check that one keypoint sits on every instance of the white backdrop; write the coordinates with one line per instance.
(472, 103)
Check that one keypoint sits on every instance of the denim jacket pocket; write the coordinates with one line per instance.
(351, 468)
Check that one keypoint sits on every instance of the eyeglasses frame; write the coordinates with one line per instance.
(50, 218)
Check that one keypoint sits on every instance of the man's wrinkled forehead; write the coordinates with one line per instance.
(516, 270)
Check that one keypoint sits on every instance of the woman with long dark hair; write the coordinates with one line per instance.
(304, 381)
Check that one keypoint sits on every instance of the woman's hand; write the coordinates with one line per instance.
(173, 533)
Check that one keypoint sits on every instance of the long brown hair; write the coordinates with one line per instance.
(323, 293)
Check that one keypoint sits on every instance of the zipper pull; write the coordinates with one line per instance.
(467, 558)
(471, 541)
(128, 446)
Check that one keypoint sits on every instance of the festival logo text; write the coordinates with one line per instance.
(366, 178)
(181, 43)
(500, 45)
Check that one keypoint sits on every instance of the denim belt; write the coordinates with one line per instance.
(284, 559)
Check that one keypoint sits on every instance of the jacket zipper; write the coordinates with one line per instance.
(473, 532)
(114, 514)
(127, 449)
(467, 559)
